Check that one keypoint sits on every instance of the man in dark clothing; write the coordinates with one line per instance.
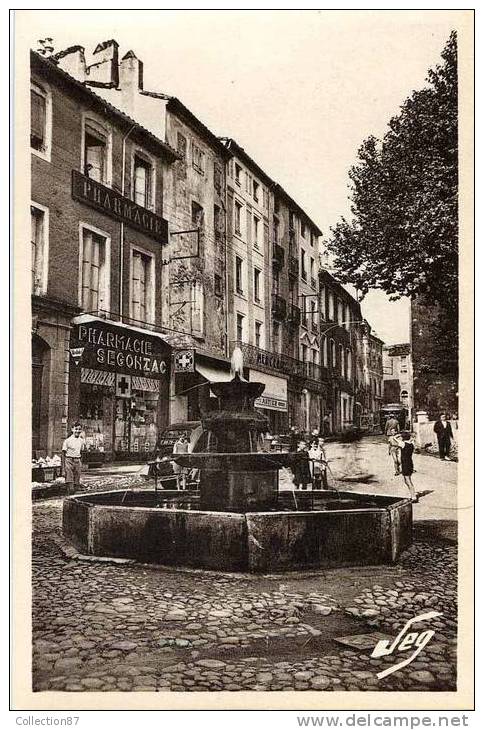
(444, 433)
(294, 439)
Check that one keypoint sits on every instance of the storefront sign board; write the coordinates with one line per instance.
(274, 397)
(122, 350)
(116, 206)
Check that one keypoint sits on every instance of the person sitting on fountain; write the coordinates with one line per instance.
(301, 470)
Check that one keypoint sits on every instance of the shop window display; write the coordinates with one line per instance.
(136, 423)
(92, 413)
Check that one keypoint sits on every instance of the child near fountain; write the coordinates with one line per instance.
(301, 470)
(318, 464)
(394, 450)
(406, 445)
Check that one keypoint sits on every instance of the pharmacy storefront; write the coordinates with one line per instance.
(119, 380)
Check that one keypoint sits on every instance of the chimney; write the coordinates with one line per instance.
(72, 60)
(103, 72)
(130, 80)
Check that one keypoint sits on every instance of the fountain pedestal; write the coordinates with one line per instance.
(234, 476)
(238, 491)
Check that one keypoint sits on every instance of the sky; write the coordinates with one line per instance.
(299, 90)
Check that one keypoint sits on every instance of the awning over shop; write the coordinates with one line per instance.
(213, 375)
(274, 397)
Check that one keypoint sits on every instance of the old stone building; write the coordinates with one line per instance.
(98, 234)
(375, 373)
(397, 374)
(342, 354)
(152, 239)
(193, 282)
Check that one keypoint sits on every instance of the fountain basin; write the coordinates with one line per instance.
(236, 461)
(320, 529)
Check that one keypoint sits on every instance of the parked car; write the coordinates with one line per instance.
(161, 462)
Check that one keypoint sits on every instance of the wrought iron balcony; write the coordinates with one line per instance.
(278, 307)
(278, 363)
(277, 256)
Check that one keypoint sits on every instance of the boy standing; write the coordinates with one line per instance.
(71, 458)
(394, 450)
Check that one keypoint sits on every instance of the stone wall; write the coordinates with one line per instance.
(425, 434)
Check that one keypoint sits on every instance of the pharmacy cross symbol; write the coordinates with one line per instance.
(184, 361)
(123, 386)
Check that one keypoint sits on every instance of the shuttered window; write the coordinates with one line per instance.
(143, 180)
(93, 273)
(197, 306)
(95, 154)
(38, 119)
(37, 219)
(142, 287)
(349, 365)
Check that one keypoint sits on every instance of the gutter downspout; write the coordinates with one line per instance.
(121, 230)
(227, 298)
(411, 406)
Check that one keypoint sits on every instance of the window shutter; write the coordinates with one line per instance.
(37, 119)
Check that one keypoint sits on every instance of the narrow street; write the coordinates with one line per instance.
(100, 625)
(437, 479)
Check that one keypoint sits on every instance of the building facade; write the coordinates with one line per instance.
(97, 247)
(397, 374)
(341, 348)
(183, 247)
(375, 371)
(193, 286)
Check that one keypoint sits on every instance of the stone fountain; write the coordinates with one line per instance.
(238, 520)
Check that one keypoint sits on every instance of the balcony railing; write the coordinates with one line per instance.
(278, 363)
(293, 267)
(277, 256)
(278, 307)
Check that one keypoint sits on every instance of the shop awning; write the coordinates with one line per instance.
(213, 375)
(274, 397)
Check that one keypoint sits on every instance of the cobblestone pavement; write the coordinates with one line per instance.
(104, 626)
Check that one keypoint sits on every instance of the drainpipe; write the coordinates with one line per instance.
(121, 230)
(411, 407)
(227, 299)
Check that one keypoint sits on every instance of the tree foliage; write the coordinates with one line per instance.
(403, 237)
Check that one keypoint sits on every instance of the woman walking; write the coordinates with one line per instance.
(407, 448)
